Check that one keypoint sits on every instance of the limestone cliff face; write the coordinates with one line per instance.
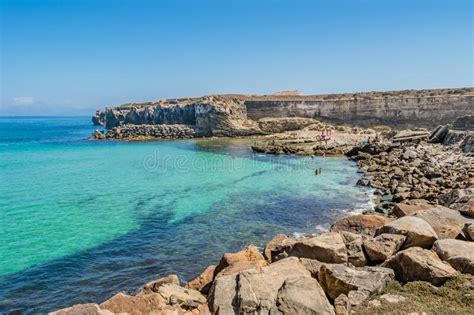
(403, 109)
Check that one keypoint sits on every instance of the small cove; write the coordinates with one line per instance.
(96, 218)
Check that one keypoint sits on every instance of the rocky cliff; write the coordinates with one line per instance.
(400, 109)
(241, 115)
(208, 116)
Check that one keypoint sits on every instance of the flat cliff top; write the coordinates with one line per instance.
(222, 98)
(426, 93)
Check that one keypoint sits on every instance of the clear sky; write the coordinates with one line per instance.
(73, 56)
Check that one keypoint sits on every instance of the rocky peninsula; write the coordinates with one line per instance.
(413, 254)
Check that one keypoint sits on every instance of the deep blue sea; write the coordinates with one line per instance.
(81, 220)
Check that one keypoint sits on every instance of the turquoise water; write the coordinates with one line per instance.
(81, 220)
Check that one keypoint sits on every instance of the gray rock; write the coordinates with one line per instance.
(383, 246)
(302, 295)
(252, 290)
(328, 247)
(468, 143)
(357, 283)
(355, 253)
(393, 298)
(459, 254)
(417, 231)
(222, 295)
(468, 231)
(417, 264)
(259, 290)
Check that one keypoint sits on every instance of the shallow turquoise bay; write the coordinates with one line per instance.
(81, 220)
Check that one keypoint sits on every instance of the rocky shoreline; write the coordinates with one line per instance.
(419, 239)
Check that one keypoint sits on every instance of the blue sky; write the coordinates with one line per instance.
(72, 56)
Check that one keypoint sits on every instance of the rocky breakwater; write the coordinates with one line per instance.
(147, 132)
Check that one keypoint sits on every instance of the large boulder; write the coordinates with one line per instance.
(417, 231)
(202, 282)
(446, 223)
(140, 304)
(82, 309)
(383, 246)
(365, 224)
(302, 295)
(259, 290)
(357, 283)
(459, 254)
(418, 264)
(328, 247)
(409, 208)
(252, 291)
(249, 254)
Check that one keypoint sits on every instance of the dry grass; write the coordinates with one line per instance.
(454, 297)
